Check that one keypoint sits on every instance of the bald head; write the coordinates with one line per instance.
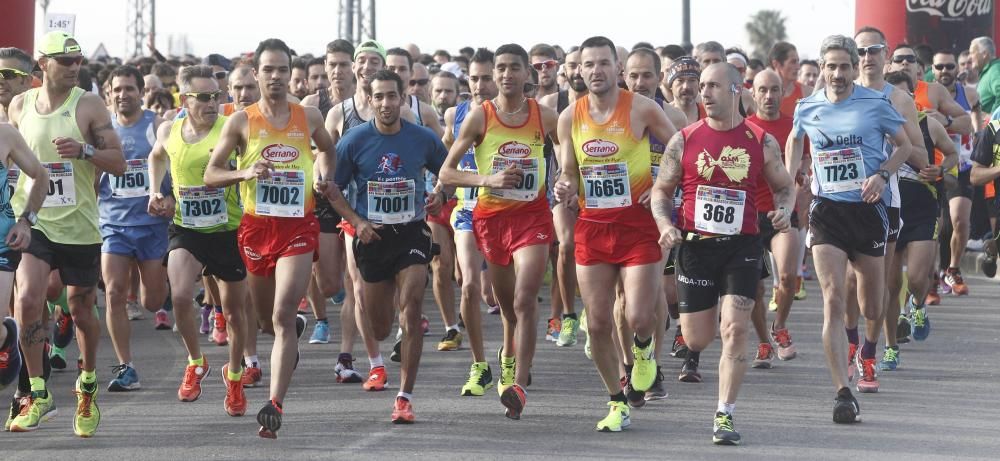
(724, 73)
(414, 50)
(767, 93)
(720, 90)
(151, 83)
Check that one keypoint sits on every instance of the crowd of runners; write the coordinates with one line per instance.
(664, 186)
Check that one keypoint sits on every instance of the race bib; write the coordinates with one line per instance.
(606, 185)
(391, 202)
(718, 210)
(12, 175)
(524, 191)
(840, 170)
(62, 188)
(202, 206)
(282, 195)
(471, 193)
(135, 181)
(655, 164)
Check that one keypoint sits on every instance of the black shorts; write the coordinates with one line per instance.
(710, 268)
(401, 246)
(767, 231)
(327, 216)
(854, 227)
(78, 265)
(958, 187)
(669, 266)
(219, 252)
(895, 224)
(9, 260)
(919, 212)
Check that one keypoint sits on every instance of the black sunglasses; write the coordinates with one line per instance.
(948, 66)
(910, 58)
(221, 75)
(11, 74)
(205, 97)
(66, 61)
(871, 49)
(421, 82)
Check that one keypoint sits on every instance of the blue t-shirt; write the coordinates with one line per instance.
(123, 200)
(848, 140)
(388, 170)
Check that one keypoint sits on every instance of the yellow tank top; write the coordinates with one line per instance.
(69, 214)
(289, 191)
(199, 207)
(523, 146)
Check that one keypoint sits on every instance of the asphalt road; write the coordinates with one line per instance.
(940, 404)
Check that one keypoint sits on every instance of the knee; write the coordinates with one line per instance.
(470, 288)
(697, 341)
(787, 281)
(566, 248)
(600, 326)
(732, 332)
(638, 319)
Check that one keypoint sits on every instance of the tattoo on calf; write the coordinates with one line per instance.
(36, 333)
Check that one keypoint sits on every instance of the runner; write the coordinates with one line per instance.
(512, 221)
(717, 163)
(683, 78)
(337, 66)
(808, 72)
(15, 77)
(243, 87)
(605, 158)
(784, 59)
(385, 159)
(71, 133)
(849, 223)
(543, 60)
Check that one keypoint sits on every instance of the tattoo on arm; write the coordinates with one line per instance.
(99, 141)
(670, 175)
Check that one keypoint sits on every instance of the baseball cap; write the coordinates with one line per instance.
(370, 46)
(684, 66)
(217, 60)
(58, 42)
(454, 68)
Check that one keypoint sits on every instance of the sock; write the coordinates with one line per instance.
(23, 383)
(569, 316)
(852, 335)
(642, 344)
(376, 361)
(868, 349)
(131, 298)
(200, 361)
(218, 308)
(895, 348)
(234, 376)
(619, 397)
(694, 355)
(406, 395)
(322, 321)
(252, 362)
(37, 384)
(88, 377)
(673, 310)
(726, 408)
(628, 369)
(452, 327)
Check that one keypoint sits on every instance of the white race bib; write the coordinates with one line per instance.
(718, 210)
(202, 206)
(62, 187)
(606, 185)
(12, 174)
(391, 202)
(135, 181)
(840, 170)
(524, 191)
(282, 195)
(471, 193)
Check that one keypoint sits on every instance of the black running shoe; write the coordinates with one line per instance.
(724, 432)
(658, 390)
(397, 354)
(989, 266)
(635, 398)
(679, 349)
(689, 372)
(903, 329)
(300, 325)
(846, 409)
(269, 419)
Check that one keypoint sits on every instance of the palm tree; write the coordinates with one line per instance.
(765, 27)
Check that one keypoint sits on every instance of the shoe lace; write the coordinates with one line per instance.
(190, 376)
(763, 351)
(679, 341)
(890, 355)
(868, 369)
(375, 375)
(919, 318)
(782, 337)
(568, 327)
(220, 321)
(346, 362)
(956, 278)
(724, 422)
(83, 403)
(26, 404)
(118, 370)
(507, 372)
(475, 375)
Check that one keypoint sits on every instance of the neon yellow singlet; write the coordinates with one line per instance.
(199, 207)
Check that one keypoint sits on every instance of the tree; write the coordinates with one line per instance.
(765, 27)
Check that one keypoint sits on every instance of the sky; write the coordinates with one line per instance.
(230, 27)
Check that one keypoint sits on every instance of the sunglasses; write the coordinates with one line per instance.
(205, 97)
(221, 75)
(948, 66)
(550, 64)
(910, 58)
(419, 82)
(66, 61)
(11, 74)
(871, 49)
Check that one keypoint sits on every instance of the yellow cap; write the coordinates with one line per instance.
(58, 42)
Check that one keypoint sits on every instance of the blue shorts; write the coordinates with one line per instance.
(144, 243)
(462, 220)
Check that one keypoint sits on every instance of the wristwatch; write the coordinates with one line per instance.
(884, 174)
(31, 216)
(86, 152)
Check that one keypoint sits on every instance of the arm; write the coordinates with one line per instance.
(985, 168)
(904, 104)
(656, 119)
(794, 147)
(943, 143)
(158, 165)
(972, 96)
(871, 189)
(663, 191)
(218, 174)
(676, 117)
(568, 184)
(781, 184)
(961, 122)
(449, 127)
(472, 130)
(430, 119)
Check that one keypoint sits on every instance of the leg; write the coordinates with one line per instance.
(785, 249)
(32, 279)
(411, 292)
(443, 266)
(291, 279)
(895, 285)
(733, 363)
(529, 265)
(595, 288)
(831, 268)
(469, 262)
(153, 279)
(759, 315)
(233, 296)
(88, 325)
(115, 269)
(504, 284)
(358, 285)
(181, 269)
(961, 211)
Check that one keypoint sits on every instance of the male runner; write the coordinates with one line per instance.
(808, 72)
(605, 160)
(71, 133)
(543, 59)
(420, 83)
(784, 59)
(683, 79)
(15, 77)
(512, 221)
(337, 65)
(718, 164)
(298, 85)
(243, 87)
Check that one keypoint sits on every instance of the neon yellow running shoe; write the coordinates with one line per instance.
(567, 335)
(88, 415)
(644, 367)
(773, 305)
(34, 411)
(617, 419)
(480, 379)
(507, 368)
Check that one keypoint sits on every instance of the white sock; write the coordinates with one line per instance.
(405, 395)
(453, 327)
(376, 361)
(726, 408)
(252, 361)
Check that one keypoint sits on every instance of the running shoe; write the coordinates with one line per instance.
(34, 410)
(846, 409)
(57, 358)
(397, 351)
(852, 353)
(635, 398)
(251, 376)
(773, 305)
(88, 415)
(16, 404)
(723, 431)
(800, 294)
(890, 359)
(236, 401)
(480, 380)
(190, 388)
(451, 341)
(514, 400)
(903, 329)
(493, 310)
(679, 349)
(63, 333)
(134, 310)
(552, 331)
(617, 419)
(219, 334)
(781, 338)
(126, 379)
(658, 390)
(269, 418)
(338, 298)
(940, 284)
(300, 325)
(425, 325)
(161, 321)
(345, 369)
(567, 334)
(988, 265)
(376, 380)
(303, 306)
(921, 324)
(507, 370)
(689, 371)
(206, 320)
(764, 357)
(402, 411)
(933, 298)
(644, 366)
(321, 333)
(10, 354)
(867, 378)
(953, 277)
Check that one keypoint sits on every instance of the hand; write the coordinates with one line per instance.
(19, 236)
(645, 198)
(434, 203)
(780, 219)
(366, 231)
(563, 191)
(930, 173)
(670, 237)
(169, 207)
(506, 179)
(156, 205)
(871, 189)
(260, 170)
(936, 116)
(68, 148)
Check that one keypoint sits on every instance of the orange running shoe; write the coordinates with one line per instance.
(867, 379)
(514, 398)
(553, 329)
(190, 388)
(376, 380)
(219, 334)
(236, 401)
(933, 298)
(304, 306)
(251, 376)
(953, 277)
(402, 411)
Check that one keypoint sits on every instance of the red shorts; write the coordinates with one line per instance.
(264, 240)
(443, 218)
(499, 236)
(613, 243)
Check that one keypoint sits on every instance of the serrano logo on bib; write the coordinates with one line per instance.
(280, 153)
(600, 148)
(514, 149)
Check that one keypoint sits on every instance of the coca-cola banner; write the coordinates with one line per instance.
(948, 24)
